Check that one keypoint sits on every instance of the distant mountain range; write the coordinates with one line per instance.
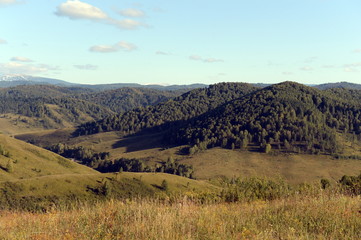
(16, 80)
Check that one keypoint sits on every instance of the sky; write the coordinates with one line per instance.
(182, 42)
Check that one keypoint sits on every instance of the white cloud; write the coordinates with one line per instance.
(287, 73)
(349, 69)
(8, 2)
(126, 46)
(86, 67)
(212, 60)
(132, 12)
(205, 60)
(358, 50)
(3, 41)
(352, 65)
(195, 58)
(80, 10)
(21, 59)
(129, 24)
(28, 69)
(163, 53)
(306, 68)
(75, 9)
(103, 48)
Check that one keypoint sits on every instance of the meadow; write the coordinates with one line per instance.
(324, 215)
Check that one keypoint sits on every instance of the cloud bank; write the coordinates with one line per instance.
(77, 10)
(205, 60)
(122, 45)
(86, 67)
(21, 59)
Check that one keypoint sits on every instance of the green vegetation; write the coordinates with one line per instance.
(25, 161)
(55, 107)
(187, 106)
(351, 184)
(288, 116)
(311, 138)
(81, 154)
(125, 99)
(137, 165)
(312, 213)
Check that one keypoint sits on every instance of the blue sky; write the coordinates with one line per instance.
(182, 42)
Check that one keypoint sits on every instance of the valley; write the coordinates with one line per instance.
(226, 143)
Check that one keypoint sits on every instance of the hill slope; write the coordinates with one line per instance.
(45, 106)
(28, 161)
(288, 115)
(345, 85)
(186, 106)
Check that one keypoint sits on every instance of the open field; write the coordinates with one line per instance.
(319, 217)
(216, 162)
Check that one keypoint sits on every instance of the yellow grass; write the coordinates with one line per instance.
(321, 217)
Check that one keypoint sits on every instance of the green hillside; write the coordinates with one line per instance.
(33, 178)
(45, 106)
(28, 161)
(170, 113)
(289, 116)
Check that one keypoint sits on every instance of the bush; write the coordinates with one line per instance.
(351, 184)
(255, 189)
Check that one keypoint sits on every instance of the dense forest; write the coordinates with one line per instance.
(184, 107)
(50, 105)
(125, 99)
(101, 161)
(287, 116)
(53, 105)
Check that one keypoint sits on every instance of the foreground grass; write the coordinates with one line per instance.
(321, 217)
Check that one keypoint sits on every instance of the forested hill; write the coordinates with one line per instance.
(184, 107)
(287, 116)
(345, 85)
(49, 106)
(54, 106)
(126, 98)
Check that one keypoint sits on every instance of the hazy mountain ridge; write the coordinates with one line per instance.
(18, 79)
(345, 85)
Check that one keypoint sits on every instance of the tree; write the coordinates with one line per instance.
(164, 185)
(267, 148)
(325, 183)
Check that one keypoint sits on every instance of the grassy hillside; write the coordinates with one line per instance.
(29, 161)
(34, 178)
(66, 190)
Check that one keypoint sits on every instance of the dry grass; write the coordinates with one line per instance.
(321, 217)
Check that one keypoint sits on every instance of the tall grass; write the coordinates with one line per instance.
(325, 216)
